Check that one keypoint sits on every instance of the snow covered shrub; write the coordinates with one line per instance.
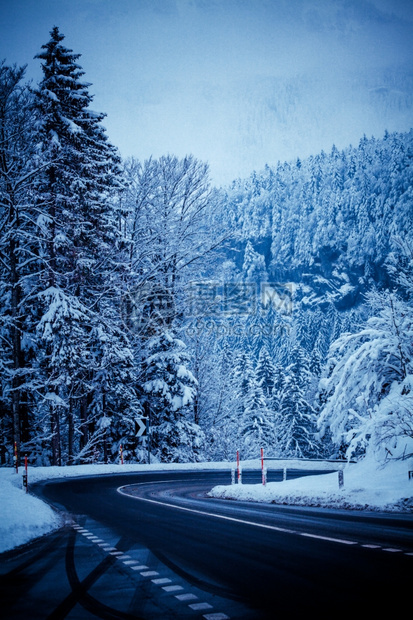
(368, 393)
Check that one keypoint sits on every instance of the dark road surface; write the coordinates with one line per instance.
(154, 546)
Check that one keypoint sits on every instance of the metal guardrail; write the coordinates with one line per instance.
(292, 458)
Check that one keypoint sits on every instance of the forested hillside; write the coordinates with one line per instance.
(333, 233)
(275, 313)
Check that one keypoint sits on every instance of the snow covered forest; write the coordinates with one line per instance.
(275, 313)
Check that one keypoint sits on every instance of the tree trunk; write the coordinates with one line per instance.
(70, 433)
(15, 334)
(83, 423)
(55, 428)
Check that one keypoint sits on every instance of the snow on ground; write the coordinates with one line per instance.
(24, 517)
(366, 486)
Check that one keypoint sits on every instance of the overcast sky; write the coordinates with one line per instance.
(237, 83)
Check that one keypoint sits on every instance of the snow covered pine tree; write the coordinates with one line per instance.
(76, 241)
(170, 387)
(18, 169)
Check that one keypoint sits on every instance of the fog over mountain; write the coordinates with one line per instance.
(237, 83)
(309, 75)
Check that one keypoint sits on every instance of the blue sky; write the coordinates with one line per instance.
(237, 83)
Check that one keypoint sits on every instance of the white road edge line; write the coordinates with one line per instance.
(233, 519)
(328, 538)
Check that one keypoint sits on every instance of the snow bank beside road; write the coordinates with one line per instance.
(24, 517)
(366, 486)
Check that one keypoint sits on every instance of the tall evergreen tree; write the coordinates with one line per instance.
(256, 424)
(243, 379)
(17, 230)
(297, 423)
(223, 428)
(82, 169)
(78, 234)
(265, 373)
(170, 388)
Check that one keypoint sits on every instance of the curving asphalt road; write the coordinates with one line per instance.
(154, 546)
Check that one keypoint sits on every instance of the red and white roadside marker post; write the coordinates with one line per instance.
(239, 470)
(121, 454)
(16, 464)
(263, 468)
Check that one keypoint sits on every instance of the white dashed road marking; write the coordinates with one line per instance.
(200, 606)
(135, 565)
(172, 588)
(186, 597)
(146, 572)
(393, 550)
